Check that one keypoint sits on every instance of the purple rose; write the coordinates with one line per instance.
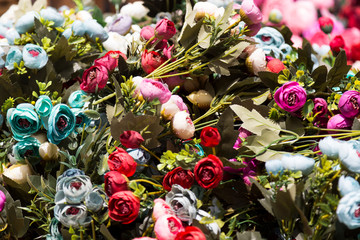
(121, 25)
(320, 107)
(290, 96)
(339, 121)
(2, 200)
(151, 89)
(349, 104)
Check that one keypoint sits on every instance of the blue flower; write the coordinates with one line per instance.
(350, 157)
(298, 163)
(347, 185)
(51, 14)
(70, 173)
(34, 56)
(72, 215)
(23, 122)
(348, 210)
(81, 118)
(76, 99)
(13, 56)
(67, 33)
(94, 202)
(26, 22)
(43, 106)
(11, 35)
(274, 167)
(78, 28)
(29, 147)
(94, 30)
(140, 156)
(330, 147)
(73, 189)
(61, 123)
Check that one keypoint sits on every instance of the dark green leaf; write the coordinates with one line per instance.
(338, 71)
(304, 56)
(308, 107)
(270, 79)
(319, 77)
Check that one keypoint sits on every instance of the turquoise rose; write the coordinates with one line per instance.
(61, 123)
(51, 14)
(298, 163)
(347, 185)
(274, 167)
(95, 30)
(23, 122)
(67, 33)
(29, 147)
(78, 28)
(94, 202)
(349, 156)
(72, 215)
(26, 22)
(35, 57)
(13, 56)
(73, 190)
(331, 146)
(76, 99)
(11, 35)
(348, 210)
(81, 118)
(43, 106)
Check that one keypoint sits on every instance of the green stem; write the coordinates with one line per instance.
(151, 153)
(104, 98)
(147, 181)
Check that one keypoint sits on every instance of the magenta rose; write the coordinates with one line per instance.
(107, 61)
(165, 29)
(151, 89)
(349, 104)
(290, 96)
(339, 121)
(320, 107)
(94, 78)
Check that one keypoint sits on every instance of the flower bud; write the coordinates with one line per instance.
(275, 16)
(326, 24)
(165, 29)
(202, 99)
(161, 208)
(347, 185)
(18, 173)
(275, 66)
(337, 44)
(182, 125)
(256, 62)
(48, 151)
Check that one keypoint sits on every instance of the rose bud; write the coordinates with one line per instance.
(171, 107)
(210, 137)
(124, 207)
(337, 44)
(348, 210)
(202, 99)
(182, 125)
(339, 121)
(48, 151)
(151, 89)
(349, 104)
(131, 139)
(206, 8)
(184, 178)
(191, 233)
(250, 13)
(347, 185)
(256, 62)
(167, 227)
(151, 61)
(165, 29)
(34, 56)
(161, 208)
(115, 182)
(18, 173)
(275, 16)
(275, 66)
(326, 24)
(147, 33)
(243, 134)
(2, 200)
(209, 171)
(290, 96)
(122, 162)
(320, 106)
(94, 78)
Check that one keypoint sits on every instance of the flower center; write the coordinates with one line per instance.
(206, 175)
(124, 208)
(357, 213)
(28, 153)
(24, 123)
(177, 206)
(34, 53)
(72, 211)
(92, 74)
(78, 120)
(172, 226)
(76, 185)
(61, 123)
(265, 38)
(354, 103)
(292, 99)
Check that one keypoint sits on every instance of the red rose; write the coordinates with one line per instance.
(209, 171)
(116, 54)
(122, 162)
(337, 43)
(275, 66)
(210, 137)
(115, 182)
(165, 29)
(131, 139)
(107, 61)
(326, 24)
(151, 61)
(184, 178)
(191, 233)
(94, 78)
(355, 52)
(124, 207)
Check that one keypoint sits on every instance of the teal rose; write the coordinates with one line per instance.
(26, 22)
(95, 30)
(77, 99)
(14, 55)
(61, 123)
(51, 14)
(27, 148)
(81, 118)
(348, 210)
(34, 56)
(72, 215)
(23, 121)
(73, 190)
(43, 106)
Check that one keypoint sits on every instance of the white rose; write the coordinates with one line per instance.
(171, 107)
(83, 16)
(202, 8)
(137, 83)
(182, 125)
(116, 42)
(256, 62)
(18, 173)
(136, 10)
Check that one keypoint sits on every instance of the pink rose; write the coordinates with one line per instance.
(94, 78)
(349, 104)
(107, 61)
(165, 29)
(250, 13)
(182, 125)
(290, 96)
(174, 105)
(151, 89)
(167, 227)
(339, 121)
(151, 61)
(174, 81)
(161, 208)
(320, 107)
(147, 32)
(300, 16)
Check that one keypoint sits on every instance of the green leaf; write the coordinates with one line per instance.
(304, 56)
(319, 77)
(287, 34)
(261, 98)
(338, 71)
(270, 79)
(92, 114)
(308, 107)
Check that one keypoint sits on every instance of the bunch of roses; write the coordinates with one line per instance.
(33, 56)
(96, 77)
(75, 197)
(124, 205)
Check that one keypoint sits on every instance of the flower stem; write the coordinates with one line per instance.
(147, 181)
(93, 230)
(151, 153)
(155, 193)
(213, 151)
(105, 98)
